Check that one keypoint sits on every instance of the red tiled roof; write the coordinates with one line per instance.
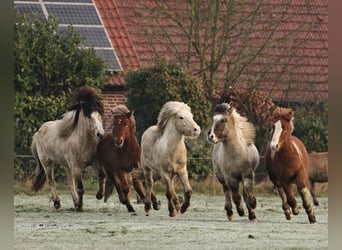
(129, 24)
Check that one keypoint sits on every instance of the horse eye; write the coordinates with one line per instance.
(181, 117)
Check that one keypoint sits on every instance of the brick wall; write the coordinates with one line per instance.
(110, 100)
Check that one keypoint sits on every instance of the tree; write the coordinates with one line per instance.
(49, 65)
(150, 88)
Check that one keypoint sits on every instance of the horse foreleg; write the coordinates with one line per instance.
(234, 187)
(285, 205)
(122, 186)
(173, 201)
(249, 197)
(77, 176)
(187, 190)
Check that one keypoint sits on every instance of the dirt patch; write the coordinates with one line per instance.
(204, 226)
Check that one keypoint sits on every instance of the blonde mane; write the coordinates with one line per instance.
(245, 129)
(120, 110)
(170, 109)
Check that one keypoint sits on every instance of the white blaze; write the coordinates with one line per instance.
(275, 138)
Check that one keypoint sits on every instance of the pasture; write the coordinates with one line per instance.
(37, 225)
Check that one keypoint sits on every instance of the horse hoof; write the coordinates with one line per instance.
(295, 211)
(173, 214)
(99, 196)
(312, 219)
(230, 218)
(57, 205)
(156, 206)
(288, 216)
(253, 220)
(241, 212)
(133, 214)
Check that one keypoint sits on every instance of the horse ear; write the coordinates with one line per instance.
(129, 114)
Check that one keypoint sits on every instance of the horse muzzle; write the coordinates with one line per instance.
(118, 143)
(99, 136)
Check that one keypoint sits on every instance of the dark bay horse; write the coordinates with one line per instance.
(118, 155)
(70, 142)
(235, 157)
(286, 161)
(318, 171)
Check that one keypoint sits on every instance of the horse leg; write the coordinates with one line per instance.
(306, 197)
(102, 181)
(121, 183)
(75, 182)
(234, 186)
(249, 197)
(49, 170)
(149, 185)
(228, 206)
(187, 190)
(173, 201)
(109, 187)
(285, 205)
(313, 193)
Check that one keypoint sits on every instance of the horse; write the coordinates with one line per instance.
(70, 142)
(119, 159)
(286, 162)
(318, 171)
(164, 153)
(235, 158)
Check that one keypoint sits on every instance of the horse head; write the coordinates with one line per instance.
(185, 124)
(221, 117)
(122, 128)
(281, 129)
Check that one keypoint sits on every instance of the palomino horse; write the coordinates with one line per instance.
(235, 157)
(70, 142)
(318, 171)
(119, 156)
(163, 151)
(286, 161)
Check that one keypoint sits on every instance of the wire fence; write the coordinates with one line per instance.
(24, 166)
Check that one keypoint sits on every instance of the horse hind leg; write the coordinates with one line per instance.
(52, 183)
(306, 197)
(313, 193)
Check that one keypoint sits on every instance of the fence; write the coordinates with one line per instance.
(24, 166)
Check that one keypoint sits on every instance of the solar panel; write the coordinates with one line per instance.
(31, 9)
(84, 18)
(74, 14)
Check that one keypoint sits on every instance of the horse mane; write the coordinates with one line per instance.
(120, 110)
(245, 129)
(85, 99)
(67, 123)
(286, 114)
(168, 110)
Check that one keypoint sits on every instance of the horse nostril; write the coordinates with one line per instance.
(99, 135)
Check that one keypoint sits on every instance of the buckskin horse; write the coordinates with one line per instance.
(70, 142)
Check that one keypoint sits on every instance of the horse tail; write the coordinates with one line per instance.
(39, 178)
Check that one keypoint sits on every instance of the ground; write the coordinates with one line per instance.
(204, 226)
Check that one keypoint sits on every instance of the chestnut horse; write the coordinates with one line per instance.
(235, 157)
(318, 171)
(286, 161)
(164, 153)
(118, 156)
(70, 142)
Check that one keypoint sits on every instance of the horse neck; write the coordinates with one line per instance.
(172, 137)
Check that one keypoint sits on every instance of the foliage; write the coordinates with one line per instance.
(49, 65)
(150, 88)
(311, 126)
(48, 61)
